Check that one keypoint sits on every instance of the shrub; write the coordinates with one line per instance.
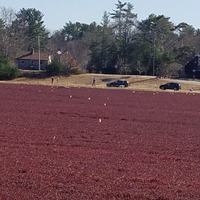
(76, 70)
(8, 71)
(61, 66)
(57, 67)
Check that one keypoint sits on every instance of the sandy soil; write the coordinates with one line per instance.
(137, 83)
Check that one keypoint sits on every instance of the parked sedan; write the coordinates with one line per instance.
(171, 86)
(118, 83)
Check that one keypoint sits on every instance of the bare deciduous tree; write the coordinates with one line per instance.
(11, 39)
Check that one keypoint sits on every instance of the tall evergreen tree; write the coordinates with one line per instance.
(30, 22)
(124, 22)
(156, 30)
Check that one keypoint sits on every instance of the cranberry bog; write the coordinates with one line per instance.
(84, 143)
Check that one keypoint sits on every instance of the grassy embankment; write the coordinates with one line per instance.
(137, 83)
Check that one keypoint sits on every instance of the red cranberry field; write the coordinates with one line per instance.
(80, 144)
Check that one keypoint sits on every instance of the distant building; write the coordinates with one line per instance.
(192, 68)
(31, 60)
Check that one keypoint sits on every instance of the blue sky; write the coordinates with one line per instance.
(57, 13)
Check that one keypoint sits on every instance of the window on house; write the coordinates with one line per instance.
(22, 62)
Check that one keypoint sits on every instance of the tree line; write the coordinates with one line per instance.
(120, 44)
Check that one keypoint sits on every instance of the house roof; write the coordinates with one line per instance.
(34, 56)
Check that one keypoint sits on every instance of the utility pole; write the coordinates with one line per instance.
(39, 52)
(154, 49)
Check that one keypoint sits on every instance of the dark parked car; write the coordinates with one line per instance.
(171, 86)
(118, 83)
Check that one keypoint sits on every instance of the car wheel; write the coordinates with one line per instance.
(162, 88)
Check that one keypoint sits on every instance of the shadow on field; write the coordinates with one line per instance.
(107, 79)
(144, 80)
(33, 74)
(111, 79)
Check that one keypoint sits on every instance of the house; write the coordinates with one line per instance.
(192, 68)
(33, 60)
